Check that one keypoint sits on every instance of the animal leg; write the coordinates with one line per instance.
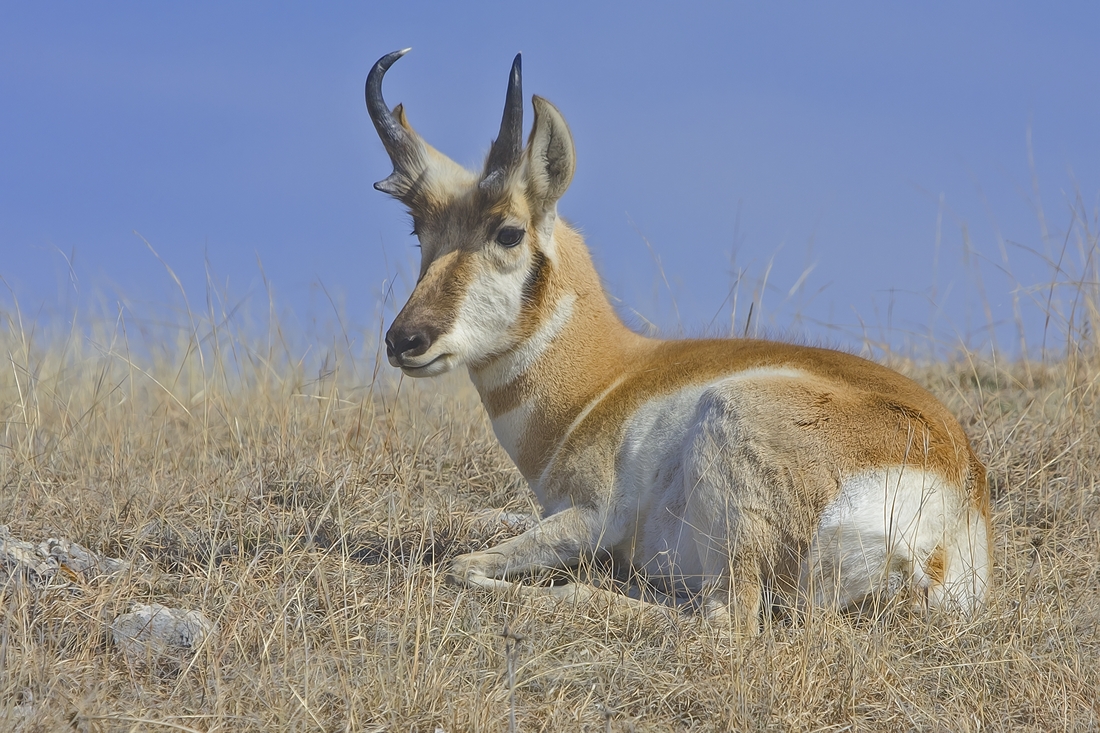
(560, 541)
(557, 542)
(573, 593)
(732, 544)
(729, 508)
(732, 601)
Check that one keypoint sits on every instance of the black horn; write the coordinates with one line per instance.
(509, 143)
(404, 148)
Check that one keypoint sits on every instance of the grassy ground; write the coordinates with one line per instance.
(308, 514)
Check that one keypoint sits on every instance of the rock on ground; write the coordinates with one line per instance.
(153, 631)
(39, 564)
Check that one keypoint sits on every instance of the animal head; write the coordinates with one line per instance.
(486, 238)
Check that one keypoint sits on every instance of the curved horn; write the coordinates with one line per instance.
(404, 148)
(507, 147)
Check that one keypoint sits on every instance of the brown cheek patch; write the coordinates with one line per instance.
(535, 284)
(538, 299)
(535, 309)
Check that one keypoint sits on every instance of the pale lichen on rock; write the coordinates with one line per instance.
(39, 564)
(153, 632)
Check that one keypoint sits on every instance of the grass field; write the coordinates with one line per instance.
(308, 511)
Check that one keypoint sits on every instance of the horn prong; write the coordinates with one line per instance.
(392, 184)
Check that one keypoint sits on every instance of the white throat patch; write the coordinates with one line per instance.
(507, 368)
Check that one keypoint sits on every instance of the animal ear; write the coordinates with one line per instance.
(402, 119)
(551, 159)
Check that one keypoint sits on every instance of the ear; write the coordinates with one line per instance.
(399, 114)
(551, 159)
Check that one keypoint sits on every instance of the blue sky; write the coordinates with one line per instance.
(848, 149)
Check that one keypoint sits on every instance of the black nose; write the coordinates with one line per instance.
(406, 342)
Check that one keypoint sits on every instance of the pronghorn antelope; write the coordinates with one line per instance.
(731, 470)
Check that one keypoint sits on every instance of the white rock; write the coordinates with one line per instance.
(38, 564)
(80, 559)
(153, 631)
(22, 560)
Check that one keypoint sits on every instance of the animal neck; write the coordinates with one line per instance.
(574, 352)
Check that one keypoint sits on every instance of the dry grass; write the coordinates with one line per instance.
(308, 514)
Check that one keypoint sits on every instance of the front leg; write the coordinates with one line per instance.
(560, 541)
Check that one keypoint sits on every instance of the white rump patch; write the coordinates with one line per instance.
(881, 532)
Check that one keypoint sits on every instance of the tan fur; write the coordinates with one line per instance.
(936, 565)
(765, 439)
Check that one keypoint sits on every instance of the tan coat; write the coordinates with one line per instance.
(718, 467)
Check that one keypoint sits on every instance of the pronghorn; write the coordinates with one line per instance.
(731, 470)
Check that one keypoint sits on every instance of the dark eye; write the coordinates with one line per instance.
(510, 236)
